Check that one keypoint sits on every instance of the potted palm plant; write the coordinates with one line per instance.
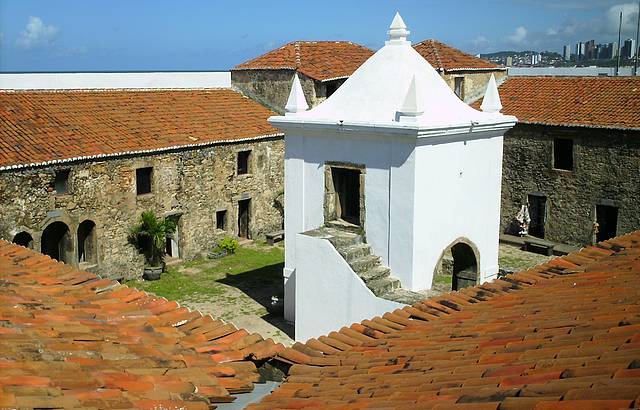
(150, 235)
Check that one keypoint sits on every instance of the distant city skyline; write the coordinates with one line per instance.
(145, 35)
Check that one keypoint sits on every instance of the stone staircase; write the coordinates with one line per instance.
(349, 241)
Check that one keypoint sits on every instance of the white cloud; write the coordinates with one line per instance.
(36, 33)
(480, 41)
(519, 35)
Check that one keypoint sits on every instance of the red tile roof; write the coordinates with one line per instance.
(320, 60)
(69, 339)
(40, 126)
(444, 57)
(563, 335)
(603, 102)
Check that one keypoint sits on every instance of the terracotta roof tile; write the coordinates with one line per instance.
(40, 126)
(72, 340)
(602, 102)
(444, 57)
(558, 336)
(320, 60)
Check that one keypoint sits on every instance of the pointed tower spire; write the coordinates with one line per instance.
(412, 106)
(296, 102)
(398, 31)
(491, 101)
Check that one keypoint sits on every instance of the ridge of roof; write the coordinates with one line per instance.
(70, 339)
(320, 60)
(428, 353)
(443, 57)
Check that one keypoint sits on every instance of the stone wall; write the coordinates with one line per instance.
(606, 170)
(271, 88)
(475, 82)
(191, 184)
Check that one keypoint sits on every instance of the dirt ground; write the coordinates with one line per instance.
(245, 299)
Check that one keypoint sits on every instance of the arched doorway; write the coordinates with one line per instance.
(23, 239)
(465, 266)
(56, 242)
(87, 249)
(457, 267)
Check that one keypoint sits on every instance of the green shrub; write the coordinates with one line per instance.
(228, 244)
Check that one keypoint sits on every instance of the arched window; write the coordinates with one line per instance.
(56, 242)
(23, 239)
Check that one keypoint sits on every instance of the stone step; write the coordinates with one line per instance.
(364, 263)
(405, 296)
(342, 239)
(353, 252)
(384, 285)
(377, 272)
(344, 226)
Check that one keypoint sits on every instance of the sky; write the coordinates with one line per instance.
(171, 35)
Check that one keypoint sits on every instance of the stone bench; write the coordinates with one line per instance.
(275, 236)
(538, 246)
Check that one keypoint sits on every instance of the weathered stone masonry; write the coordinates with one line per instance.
(271, 87)
(192, 184)
(606, 170)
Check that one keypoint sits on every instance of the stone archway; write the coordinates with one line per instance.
(23, 239)
(87, 243)
(56, 242)
(457, 267)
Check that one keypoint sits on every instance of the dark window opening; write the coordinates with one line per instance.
(346, 183)
(538, 215)
(331, 87)
(23, 239)
(87, 249)
(607, 219)
(243, 162)
(563, 153)
(458, 87)
(62, 182)
(143, 180)
(244, 208)
(465, 266)
(56, 242)
(221, 220)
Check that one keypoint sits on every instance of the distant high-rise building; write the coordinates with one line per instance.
(629, 48)
(590, 51)
(566, 52)
(509, 61)
(580, 48)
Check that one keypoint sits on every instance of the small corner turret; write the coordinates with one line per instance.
(296, 102)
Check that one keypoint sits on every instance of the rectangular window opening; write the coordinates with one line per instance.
(62, 182)
(221, 220)
(459, 87)
(243, 162)
(563, 153)
(143, 180)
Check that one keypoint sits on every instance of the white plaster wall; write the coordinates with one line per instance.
(333, 295)
(457, 195)
(389, 166)
(61, 81)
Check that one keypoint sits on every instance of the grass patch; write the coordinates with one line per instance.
(249, 268)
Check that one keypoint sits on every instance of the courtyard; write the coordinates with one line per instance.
(246, 288)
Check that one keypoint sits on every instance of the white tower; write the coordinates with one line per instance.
(397, 153)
